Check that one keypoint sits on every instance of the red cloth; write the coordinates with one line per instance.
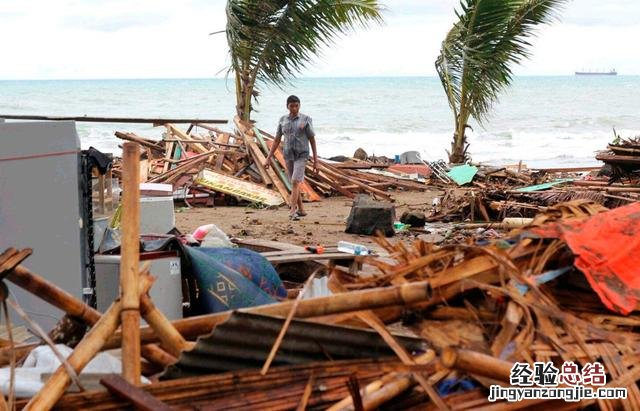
(607, 250)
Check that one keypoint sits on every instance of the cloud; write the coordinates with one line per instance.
(588, 13)
(166, 38)
(114, 22)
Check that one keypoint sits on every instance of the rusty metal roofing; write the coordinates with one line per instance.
(245, 340)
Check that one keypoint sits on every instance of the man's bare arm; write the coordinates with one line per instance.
(312, 140)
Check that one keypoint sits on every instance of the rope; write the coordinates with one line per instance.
(32, 156)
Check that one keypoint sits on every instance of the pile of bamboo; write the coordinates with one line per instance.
(495, 204)
(480, 309)
(237, 159)
(494, 305)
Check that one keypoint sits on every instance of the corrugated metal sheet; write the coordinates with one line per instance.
(244, 341)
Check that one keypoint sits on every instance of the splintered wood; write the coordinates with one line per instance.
(237, 161)
(517, 300)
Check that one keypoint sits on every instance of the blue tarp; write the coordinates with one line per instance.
(231, 278)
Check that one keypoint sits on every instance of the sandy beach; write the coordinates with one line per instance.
(324, 224)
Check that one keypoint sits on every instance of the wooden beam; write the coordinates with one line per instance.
(139, 398)
(87, 119)
(222, 138)
(176, 132)
(274, 161)
(284, 259)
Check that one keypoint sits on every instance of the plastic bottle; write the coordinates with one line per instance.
(351, 248)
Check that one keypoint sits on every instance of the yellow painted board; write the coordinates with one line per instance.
(239, 188)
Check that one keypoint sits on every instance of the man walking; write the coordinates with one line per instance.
(297, 129)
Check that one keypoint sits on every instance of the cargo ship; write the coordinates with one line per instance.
(612, 72)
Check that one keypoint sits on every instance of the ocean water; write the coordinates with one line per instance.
(544, 121)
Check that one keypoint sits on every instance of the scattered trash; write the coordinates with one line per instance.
(351, 248)
(462, 174)
(210, 235)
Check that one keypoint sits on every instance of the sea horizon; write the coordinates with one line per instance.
(435, 76)
(543, 120)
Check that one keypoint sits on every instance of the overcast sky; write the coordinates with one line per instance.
(77, 39)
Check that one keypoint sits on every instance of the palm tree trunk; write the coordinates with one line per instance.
(239, 98)
(244, 92)
(459, 144)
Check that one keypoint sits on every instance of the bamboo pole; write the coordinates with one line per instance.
(476, 363)
(374, 322)
(61, 299)
(405, 294)
(53, 294)
(384, 389)
(418, 293)
(84, 352)
(129, 264)
(171, 339)
(157, 356)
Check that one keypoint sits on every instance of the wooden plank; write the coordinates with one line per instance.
(222, 138)
(248, 139)
(274, 161)
(136, 139)
(259, 166)
(295, 252)
(139, 398)
(259, 160)
(336, 174)
(168, 155)
(87, 119)
(244, 189)
(567, 169)
(309, 257)
(197, 147)
(11, 258)
(333, 184)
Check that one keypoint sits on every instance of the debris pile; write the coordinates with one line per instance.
(217, 164)
(423, 327)
(623, 157)
(520, 299)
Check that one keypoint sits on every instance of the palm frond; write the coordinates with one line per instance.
(272, 40)
(489, 38)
